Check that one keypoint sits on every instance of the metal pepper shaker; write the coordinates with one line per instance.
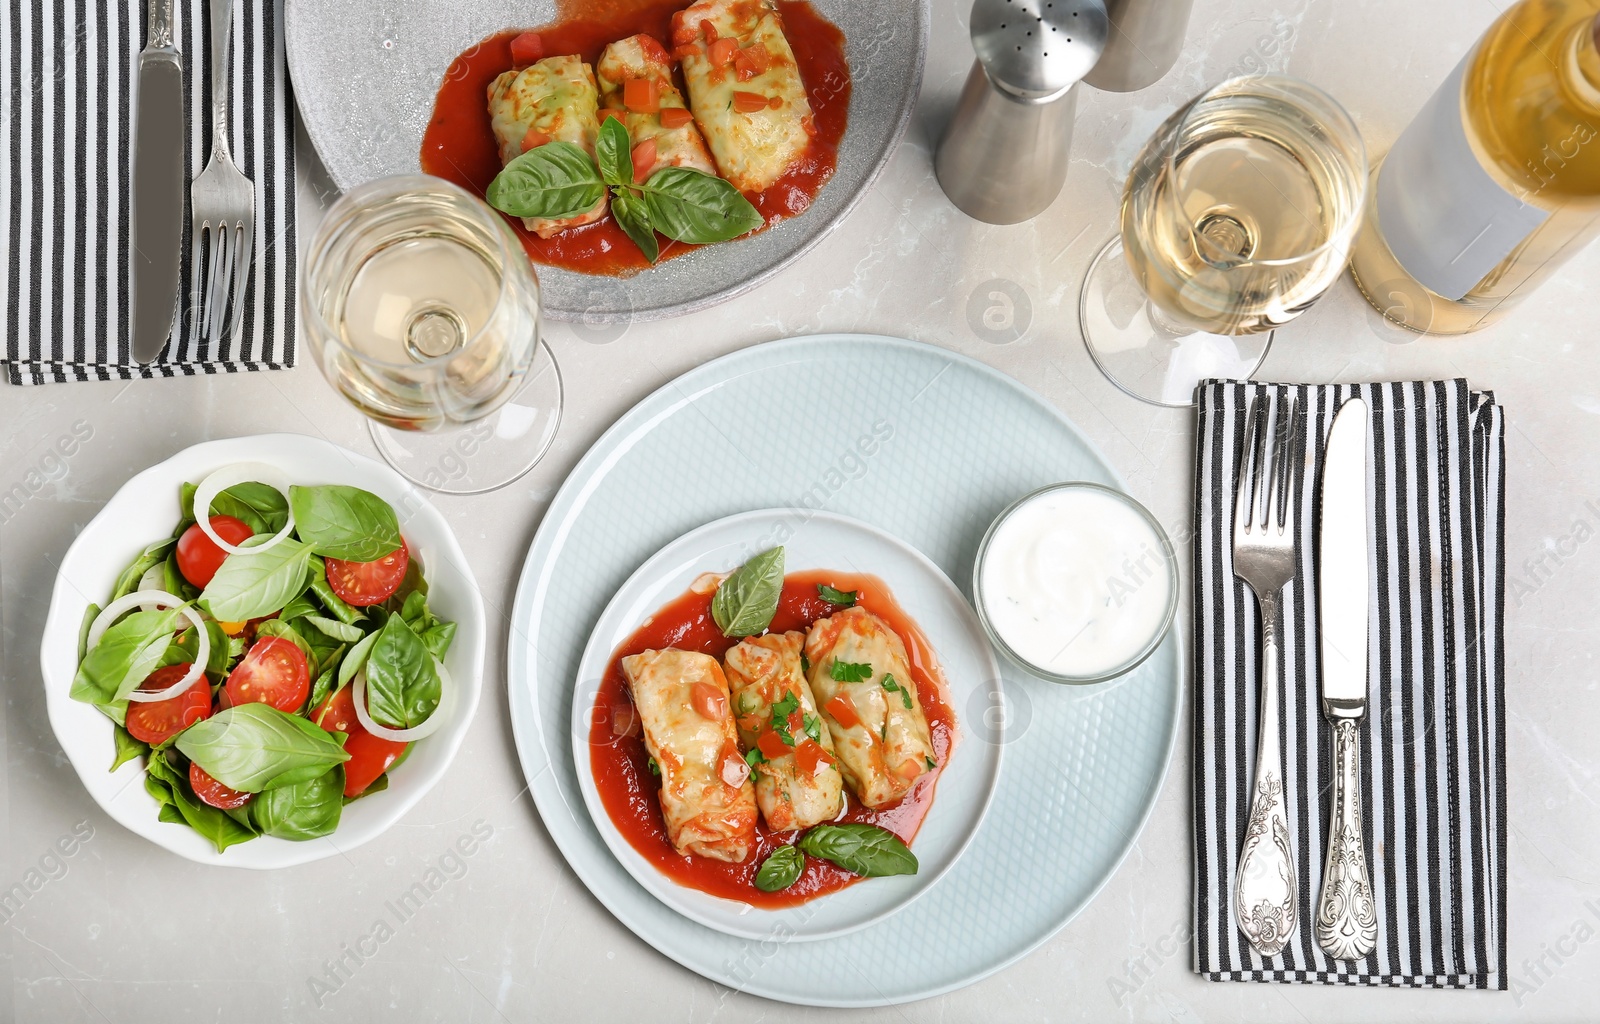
(1146, 37)
(1004, 156)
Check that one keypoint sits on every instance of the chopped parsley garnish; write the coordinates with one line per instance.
(780, 717)
(805, 666)
(890, 685)
(842, 598)
(655, 769)
(813, 726)
(851, 671)
(883, 730)
(754, 757)
(932, 764)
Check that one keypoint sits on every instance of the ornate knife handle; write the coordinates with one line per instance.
(1347, 921)
(1264, 891)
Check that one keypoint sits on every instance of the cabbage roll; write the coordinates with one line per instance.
(797, 780)
(706, 797)
(862, 681)
(744, 88)
(648, 107)
(552, 100)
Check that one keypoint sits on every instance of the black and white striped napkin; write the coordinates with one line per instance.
(1433, 741)
(66, 172)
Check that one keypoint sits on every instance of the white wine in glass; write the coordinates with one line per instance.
(1238, 214)
(424, 313)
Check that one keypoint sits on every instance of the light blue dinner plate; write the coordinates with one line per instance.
(929, 446)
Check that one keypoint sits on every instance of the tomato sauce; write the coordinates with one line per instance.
(631, 793)
(459, 144)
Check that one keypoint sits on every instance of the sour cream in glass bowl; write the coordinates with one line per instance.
(1076, 582)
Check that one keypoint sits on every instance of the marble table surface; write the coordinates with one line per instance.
(124, 931)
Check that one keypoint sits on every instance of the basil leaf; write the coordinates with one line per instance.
(340, 631)
(125, 656)
(842, 598)
(89, 615)
(185, 507)
(850, 671)
(438, 638)
(171, 787)
(344, 522)
(415, 611)
(333, 602)
(255, 747)
(142, 563)
(377, 785)
(127, 747)
(173, 581)
(301, 606)
(355, 659)
(612, 152)
(866, 850)
(402, 683)
(256, 505)
(748, 599)
(305, 810)
(187, 649)
(781, 869)
(693, 206)
(633, 217)
(251, 584)
(552, 182)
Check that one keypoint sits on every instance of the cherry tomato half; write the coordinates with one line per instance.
(370, 756)
(273, 671)
(361, 584)
(211, 791)
(158, 721)
(199, 558)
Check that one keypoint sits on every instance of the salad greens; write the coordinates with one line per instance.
(257, 744)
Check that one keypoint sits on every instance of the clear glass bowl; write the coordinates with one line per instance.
(1169, 565)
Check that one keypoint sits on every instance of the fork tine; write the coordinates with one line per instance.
(195, 304)
(1286, 435)
(241, 278)
(1243, 501)
(215, 239)
(220, 287)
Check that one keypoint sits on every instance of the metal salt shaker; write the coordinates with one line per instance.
(1146, 36)
(1004, 157)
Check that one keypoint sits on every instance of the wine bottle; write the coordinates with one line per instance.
(1496, 183)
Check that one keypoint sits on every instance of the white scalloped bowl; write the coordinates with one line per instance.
(145, 509)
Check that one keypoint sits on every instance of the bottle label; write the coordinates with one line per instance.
(1447, 221)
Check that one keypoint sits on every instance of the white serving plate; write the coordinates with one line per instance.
(811, 540)
(145, 509)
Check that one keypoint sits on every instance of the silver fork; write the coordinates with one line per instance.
(1265, 893)
(223, 204)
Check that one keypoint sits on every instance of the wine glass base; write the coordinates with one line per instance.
(486, 454)
(1142, 352)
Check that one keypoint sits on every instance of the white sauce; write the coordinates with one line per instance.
(1075, 582)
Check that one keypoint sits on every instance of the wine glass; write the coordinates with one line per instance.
(423, 311)
(1239, 214)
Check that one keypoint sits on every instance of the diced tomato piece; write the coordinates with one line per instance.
(685, 51)
(775, 102)
(810, 755)
(642, 95)
(159, 720)
(734, 769)
(910, 768)
(675, 117)
(653, 50)
(749, 102)
(843, 711)
(708, 30)
(644, 159)
(722, 52)
(751, 61)
(771, 745)
(534, 139)
(211, 791)
(709, 702)
(527, 49)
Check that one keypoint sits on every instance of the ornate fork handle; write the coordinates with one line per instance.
(1347, 921)
(1265, 891)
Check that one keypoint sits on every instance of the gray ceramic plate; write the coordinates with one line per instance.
(365, 76)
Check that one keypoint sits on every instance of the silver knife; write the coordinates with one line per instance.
(158, 179)
(1346, 922)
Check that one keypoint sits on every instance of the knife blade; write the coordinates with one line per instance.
(159, 176)
(1345, 550)
(1347, 920)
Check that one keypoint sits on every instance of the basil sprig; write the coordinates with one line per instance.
(781, 869)
(179, 805)
(863, 849)
(344, 522)
(558, 180)
(402, 683)
(255, 747)
(253, 583)
(832, 595)
(746, 601)
(305, 810)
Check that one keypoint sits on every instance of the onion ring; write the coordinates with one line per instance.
(427, 728)
(226, 477)
(157, 599)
